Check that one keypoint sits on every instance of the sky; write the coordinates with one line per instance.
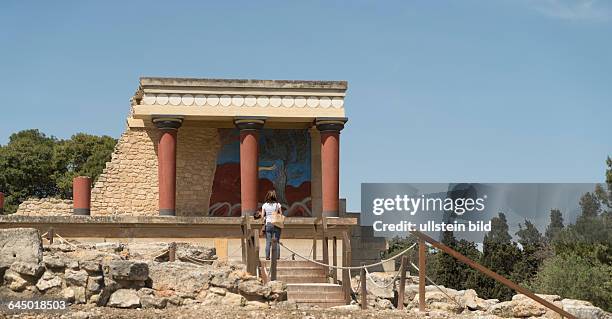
(439, 91)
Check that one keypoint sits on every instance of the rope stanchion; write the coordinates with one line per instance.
(441, 290)
(348, 267)
(381, 286)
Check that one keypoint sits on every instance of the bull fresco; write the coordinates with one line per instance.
(284, 165)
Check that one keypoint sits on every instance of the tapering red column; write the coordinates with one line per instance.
(166, 163)
(81, 195)
(249, 162)
(330, 164)
(1, 202)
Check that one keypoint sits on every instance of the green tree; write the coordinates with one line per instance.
(531, 253)
(26, 168)
(500, 255)
(555, 225)
(35, 165)
(448, 271)
(572, 276)
(81, 155)
(590, 205)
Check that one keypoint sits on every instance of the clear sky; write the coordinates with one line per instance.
(439, 91)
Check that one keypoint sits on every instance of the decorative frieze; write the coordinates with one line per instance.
(213, 100)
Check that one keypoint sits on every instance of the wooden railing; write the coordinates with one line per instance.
(422, 274)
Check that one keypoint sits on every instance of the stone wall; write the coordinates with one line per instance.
(45, 206)
(128, 184)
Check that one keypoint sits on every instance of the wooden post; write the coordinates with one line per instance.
(335, 259)
(346, 262)
(273, 257)
(402, 283)
(364, 290)
(243, 243)
(50, 235)
(314, 240)
(325, 244)
(422, 272)
(172, 251)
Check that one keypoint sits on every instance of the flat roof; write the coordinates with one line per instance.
(242, 83)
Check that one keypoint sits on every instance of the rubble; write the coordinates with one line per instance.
(126, 276)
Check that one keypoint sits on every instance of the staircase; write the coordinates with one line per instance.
(307, 283)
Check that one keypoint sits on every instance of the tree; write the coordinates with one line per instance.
(500, 255)
(81, 155)
(572, 276)
(530, 235)
(35, 165)
(531, 254)
(450, 272)
(555, 225)
(26, 168)
(590, 205)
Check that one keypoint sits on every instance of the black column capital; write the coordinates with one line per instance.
(249, 123)
(330, 124)
(167, 122)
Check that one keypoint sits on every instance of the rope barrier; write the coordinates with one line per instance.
(348, 267)
(441, 290)
(369, 276)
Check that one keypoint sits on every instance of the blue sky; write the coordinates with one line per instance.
(439, 91)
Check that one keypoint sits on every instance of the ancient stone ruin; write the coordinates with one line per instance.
(141, 276)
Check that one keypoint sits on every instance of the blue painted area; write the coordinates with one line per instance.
(278, 150)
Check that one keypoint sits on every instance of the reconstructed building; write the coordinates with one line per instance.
(210, 147)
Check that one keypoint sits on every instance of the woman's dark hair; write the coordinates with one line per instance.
(271, 197)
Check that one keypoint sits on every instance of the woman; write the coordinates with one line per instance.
(269, 207)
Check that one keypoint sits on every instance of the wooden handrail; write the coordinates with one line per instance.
(487, 272)
(273, 258)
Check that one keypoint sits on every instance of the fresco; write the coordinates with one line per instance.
(284, 165)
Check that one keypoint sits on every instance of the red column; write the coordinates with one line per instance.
(249, 163)
(1, 202)
(81, 195)
(166, 164)
(330, 164)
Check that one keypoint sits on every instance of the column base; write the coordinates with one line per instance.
(248, 213)
(330, 214)
(82, 211)
(167, 212)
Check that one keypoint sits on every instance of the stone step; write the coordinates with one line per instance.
(292, 263)
(312, 291)
(313, 287)
(297, 278)
(323, 303)
(314, 272)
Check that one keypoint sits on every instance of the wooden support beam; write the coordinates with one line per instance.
(325, 244)
(273, 258)
(422, 238)
(50, 235)
(422, 274)
(346, 261)
(401, 290)
(335, 259)
(364, 290)
(172, 252)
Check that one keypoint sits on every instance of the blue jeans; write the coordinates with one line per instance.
(272, 230)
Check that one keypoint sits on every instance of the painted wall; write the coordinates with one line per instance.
(284, 165)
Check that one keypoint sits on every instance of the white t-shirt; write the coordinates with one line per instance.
(269, 209)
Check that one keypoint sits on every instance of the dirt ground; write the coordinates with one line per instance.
(88, 312)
